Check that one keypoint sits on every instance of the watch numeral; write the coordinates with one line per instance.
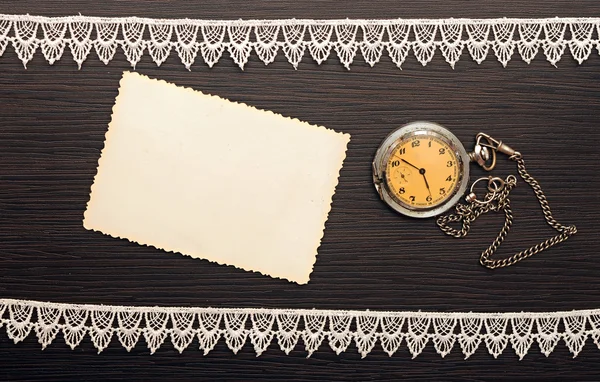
(412, 198)
(442, 191)
(449, 163)
(395, 163)
(416, 143)
(429, 198)
(401, 190)
(442, 151)
(449, 178)
(402, 151)
(429, 143)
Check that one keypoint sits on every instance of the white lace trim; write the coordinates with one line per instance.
(338, 327)
(349, 37)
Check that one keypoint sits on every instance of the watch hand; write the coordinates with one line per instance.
(410, 164)
(426, 184)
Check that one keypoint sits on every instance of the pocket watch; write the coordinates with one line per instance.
(421, 169)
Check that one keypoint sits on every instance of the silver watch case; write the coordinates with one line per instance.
(421, 128)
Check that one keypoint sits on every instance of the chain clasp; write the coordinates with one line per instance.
(494, 186)
(485, 151)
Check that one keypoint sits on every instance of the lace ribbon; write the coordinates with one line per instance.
(370, 38)
(261, 326)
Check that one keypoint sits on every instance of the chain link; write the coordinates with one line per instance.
(497, 200)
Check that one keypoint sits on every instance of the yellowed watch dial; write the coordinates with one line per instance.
(422, 171)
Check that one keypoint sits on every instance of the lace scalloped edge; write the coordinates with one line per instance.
(446, 331)
(348, 38)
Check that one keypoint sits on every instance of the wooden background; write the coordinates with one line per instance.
(52, 125)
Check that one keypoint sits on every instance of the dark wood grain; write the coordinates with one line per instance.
(52, 125)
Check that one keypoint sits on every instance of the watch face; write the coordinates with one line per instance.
(421, 169)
